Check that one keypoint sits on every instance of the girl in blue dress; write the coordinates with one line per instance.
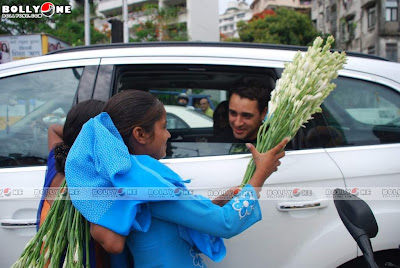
(118, 151)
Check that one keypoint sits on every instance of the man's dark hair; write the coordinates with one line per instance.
(261, 94)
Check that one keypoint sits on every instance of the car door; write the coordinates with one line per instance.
(366, 110)
(298, 217)
(32, 97)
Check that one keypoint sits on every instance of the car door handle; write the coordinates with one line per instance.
(292, 206)
(17, 223)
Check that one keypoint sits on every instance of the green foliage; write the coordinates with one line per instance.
(230, 39)
(69, 28)
(159, 25)
(286, 26)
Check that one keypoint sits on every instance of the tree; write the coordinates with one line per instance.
(159, 25)
(67, 27)
(282, 26)
(71, 28)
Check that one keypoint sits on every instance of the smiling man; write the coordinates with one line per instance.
(247, 109)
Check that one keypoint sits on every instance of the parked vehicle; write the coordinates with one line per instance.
(354, 144)
(179, 117)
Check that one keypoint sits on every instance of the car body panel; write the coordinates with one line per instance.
(48, 66)
(309, 169)
(191, 53)
(16, 207)
(376, 169)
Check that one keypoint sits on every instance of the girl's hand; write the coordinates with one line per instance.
(226, 197)
(266, 163)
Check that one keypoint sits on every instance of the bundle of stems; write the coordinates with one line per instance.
(63, 239)
(299, 93)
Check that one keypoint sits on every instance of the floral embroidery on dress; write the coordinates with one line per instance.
(244, 203)
(197, 260)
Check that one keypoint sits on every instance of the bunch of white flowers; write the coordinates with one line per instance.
(299, 93)
(65, 233)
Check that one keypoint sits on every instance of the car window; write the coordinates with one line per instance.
(359, 112)
(192, 129)
(29, 103)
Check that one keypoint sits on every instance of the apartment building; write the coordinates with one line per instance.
(236, 11)
(258, 6)
(191, 13)
(366, 26)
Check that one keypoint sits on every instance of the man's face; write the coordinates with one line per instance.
(182, 101)
(244, 117)
(203, 104)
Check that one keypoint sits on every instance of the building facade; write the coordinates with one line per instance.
(258, 6)
(235, 12)
(366, 26)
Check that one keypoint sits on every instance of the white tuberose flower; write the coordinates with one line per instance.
(304, 84)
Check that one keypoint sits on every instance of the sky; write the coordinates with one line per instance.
(224, 3)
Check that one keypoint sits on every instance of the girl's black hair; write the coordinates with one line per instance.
(134, 108)
(76, 118)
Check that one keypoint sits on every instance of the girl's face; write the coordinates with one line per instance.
(157, 147)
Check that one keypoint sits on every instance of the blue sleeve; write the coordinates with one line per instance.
(233, 218)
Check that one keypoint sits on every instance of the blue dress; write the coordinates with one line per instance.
(48, 178)
(170, 231)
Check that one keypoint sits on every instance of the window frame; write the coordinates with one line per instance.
(391, 12)
(392, 50)
(371, 12)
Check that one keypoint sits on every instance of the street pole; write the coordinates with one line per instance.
(125, 15)
(87, 23)
(161, 5)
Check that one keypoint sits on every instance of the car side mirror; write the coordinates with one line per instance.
(359, 220)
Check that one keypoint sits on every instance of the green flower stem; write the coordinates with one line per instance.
(60, 238)
(64, 230)
(87, 241)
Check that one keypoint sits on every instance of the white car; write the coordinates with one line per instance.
(354, 144)
(179, 117)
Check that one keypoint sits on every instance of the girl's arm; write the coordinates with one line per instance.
(109, 240)
(55, 135)
(237, 215)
